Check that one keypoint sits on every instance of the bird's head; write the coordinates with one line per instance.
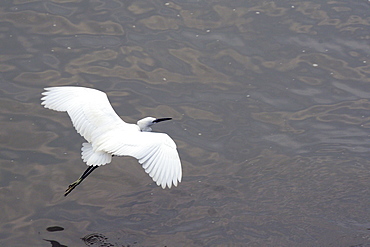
(145, 123)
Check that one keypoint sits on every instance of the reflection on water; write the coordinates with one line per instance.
(270, 102)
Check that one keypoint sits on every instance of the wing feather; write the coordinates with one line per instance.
(152, 163)
(89, 109)
(159, 174)
(156, 172)
(156, 152)
(149, 154)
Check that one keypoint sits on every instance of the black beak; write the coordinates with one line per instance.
(162, 119)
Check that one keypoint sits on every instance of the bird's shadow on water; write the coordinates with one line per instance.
(98, 239)
(55, 243)
(93, 239)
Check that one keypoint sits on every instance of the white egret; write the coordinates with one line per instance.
(107, 134)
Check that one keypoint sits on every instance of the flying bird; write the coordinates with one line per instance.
(107, 134)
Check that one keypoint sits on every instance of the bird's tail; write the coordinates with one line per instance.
(96, 158)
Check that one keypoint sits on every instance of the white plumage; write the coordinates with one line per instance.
(107, 134)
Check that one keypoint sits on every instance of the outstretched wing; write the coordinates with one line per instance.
(89, 109)
(156, 152)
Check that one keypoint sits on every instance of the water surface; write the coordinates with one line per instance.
(270, 101)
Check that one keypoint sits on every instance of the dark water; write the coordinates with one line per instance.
(270, 101)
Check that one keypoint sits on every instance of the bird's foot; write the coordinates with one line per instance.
(72, 186)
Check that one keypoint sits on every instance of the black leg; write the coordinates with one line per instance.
(87, 172)
(84, 175)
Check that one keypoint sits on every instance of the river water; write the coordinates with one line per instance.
(270, 107)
